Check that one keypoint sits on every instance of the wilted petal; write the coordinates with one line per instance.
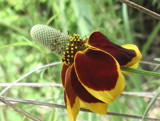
(71, 99)
(100, 74)
(87, 99)
(126, 55)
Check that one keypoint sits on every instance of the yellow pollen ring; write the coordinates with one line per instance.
(75, 44)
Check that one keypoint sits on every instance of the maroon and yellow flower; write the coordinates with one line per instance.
(91, 73)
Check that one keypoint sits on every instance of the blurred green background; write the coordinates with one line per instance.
(19, 54)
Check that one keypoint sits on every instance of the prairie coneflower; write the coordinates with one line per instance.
(91, 73)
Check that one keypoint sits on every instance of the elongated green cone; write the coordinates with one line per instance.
(51, 38)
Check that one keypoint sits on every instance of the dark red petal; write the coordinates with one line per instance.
(63, 74)
(81, 92)
(90, 102)
(96, 69)
(72, 110)
(122, 55)
(100, 74)
(68, 87)
(71, 99)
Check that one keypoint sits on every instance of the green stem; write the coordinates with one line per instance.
(149, 73)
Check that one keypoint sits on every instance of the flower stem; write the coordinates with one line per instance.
(141, 8)
(144, 72)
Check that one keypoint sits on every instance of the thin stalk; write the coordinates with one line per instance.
(18, 109)
(142, 9)
(82, 109)
(27, 74)
(143, 72)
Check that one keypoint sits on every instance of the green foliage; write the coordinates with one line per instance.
(156, 2)
(20, 54)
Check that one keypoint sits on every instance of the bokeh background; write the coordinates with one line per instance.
(19, 54)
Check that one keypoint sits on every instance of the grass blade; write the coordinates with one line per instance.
(126, 24)
(151, 103)
(150, 39)
(143, 72)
